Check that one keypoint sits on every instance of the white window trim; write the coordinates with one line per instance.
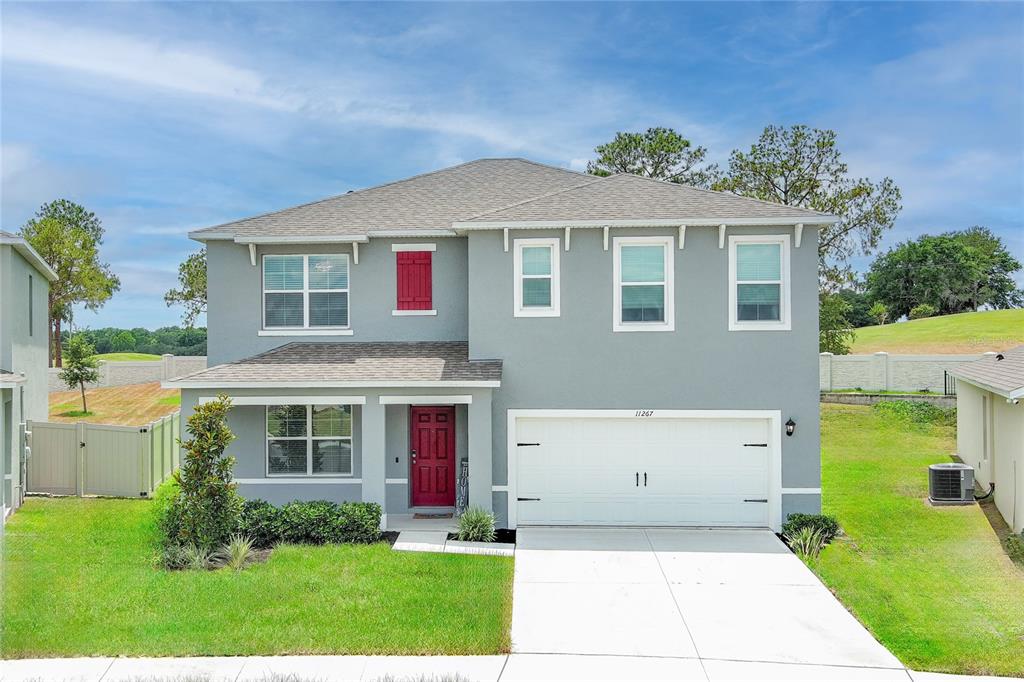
(308, 439)
(395, 248)
(785, 308)
(305, 329)
(413, 313)
(669, 324)
(554, 310)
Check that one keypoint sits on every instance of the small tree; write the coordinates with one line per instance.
(835, 334)
(919, 312)
(80, 365)
(879, 312)
(192, 291)
(207, 506)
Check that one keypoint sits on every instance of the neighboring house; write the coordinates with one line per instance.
(24, 291)
(612, 350)
(990, 428)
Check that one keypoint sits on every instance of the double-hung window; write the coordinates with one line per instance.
(643, 296)
(305, 292)
(536, 278)
(309, 440)
(759, 296)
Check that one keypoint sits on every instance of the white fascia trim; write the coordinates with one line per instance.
(413, 313)
(22, 246)
(1015, 394)
(321, 239)
(426, 399)
(304, 480)
(653, 222)
(396, 481)
(669, 325)
(774, 418)
(413, 247)
(801, 491)
(12, 383)
(292, 400)
(209, 236)
(554, 310)
(786, 323)
(232, 385)
(499, 488)
(412, 233)
(305, 332)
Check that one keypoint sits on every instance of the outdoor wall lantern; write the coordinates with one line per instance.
(790, 427)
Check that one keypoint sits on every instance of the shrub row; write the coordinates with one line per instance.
(315, 523)
(915, 412)
(825, 524)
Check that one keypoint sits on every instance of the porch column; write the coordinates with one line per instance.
(480, 466)
(373, 457)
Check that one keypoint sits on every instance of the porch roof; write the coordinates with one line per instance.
(1001, 373)
(351, 364)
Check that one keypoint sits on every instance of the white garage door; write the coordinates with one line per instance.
(643, 471)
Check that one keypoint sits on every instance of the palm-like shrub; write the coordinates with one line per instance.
(236, 554)
(807, 542)
(476, 525)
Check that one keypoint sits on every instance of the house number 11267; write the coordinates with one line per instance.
(644, 413)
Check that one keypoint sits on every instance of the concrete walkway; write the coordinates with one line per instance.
(513, 668)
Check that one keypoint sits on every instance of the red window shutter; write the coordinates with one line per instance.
(415, 287)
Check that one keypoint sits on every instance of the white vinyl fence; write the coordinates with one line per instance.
(136, 372)
(99, 459)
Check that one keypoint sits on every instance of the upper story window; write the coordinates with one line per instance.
(643, 295)
(309, 440)
(414, 286)
(759, 296)
(537, 286)
(305, 292)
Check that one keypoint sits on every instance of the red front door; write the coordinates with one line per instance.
(432, 456)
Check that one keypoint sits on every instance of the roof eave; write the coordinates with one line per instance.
(231, 385)
(22, 246)
(786, 221)
(1012, 394)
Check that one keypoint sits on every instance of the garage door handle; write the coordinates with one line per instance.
(645, 479)
(527, 445)
(757, 500)
(527, 499)
(638, 479)
(755, 445)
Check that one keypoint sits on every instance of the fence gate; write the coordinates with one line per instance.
(100, 459)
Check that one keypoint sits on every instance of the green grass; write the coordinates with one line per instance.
(126, 357)
(932, 583)
(992, 330)
(80, 581)
(170, 400)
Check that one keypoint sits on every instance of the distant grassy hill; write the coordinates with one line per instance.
(126, 357)
(963, 333)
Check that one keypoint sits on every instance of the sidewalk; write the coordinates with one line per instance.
(510, 668)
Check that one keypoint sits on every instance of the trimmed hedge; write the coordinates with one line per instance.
(825, 524)
(313, 523)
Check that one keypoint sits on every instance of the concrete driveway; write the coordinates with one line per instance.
(711, 604)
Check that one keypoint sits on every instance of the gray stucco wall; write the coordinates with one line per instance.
(249, 446)
(235, 292)
(576, 361)
(20, 351)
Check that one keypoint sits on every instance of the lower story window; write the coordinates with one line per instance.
(309, 440)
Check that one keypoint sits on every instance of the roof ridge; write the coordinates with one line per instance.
(382, 186)
(596, 178)
(716, 192)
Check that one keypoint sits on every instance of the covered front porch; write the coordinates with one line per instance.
(407, 426)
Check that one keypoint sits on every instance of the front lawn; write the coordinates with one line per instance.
(127, 357)
(80, 581)
(931, 583)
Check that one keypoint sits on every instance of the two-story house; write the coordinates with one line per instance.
(611, 350)
(24, 303)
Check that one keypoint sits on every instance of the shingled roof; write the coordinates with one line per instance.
(430, 201)
(491, 193)
(630, 197)
(1002, 373)
(350, 364)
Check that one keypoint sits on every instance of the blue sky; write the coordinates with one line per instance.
(166, 118)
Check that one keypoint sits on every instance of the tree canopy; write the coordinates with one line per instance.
(659, 153)
(192, 287)
(68, 237)
(801, 166)
(953, 272)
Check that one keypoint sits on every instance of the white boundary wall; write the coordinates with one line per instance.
(883, 372)
(136, 372)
